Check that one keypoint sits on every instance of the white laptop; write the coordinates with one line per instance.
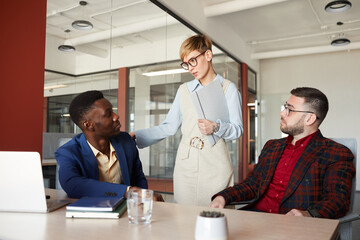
(22, 185)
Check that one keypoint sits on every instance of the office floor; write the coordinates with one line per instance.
(355, 226)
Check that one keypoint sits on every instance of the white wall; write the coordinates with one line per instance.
(55, 59)
(335, 74)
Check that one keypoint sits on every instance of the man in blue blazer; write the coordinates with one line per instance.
(101, 161)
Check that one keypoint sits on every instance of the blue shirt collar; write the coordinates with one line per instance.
(195, 84)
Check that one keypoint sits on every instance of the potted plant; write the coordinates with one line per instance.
(211, 225)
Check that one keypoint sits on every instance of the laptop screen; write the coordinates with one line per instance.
(21, 182)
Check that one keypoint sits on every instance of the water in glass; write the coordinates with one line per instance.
(139, 206)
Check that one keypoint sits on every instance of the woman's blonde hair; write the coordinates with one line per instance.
(196, 42)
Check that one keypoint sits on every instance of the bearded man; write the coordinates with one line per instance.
(304, 174)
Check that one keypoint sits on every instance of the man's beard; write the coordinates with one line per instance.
(297, 129)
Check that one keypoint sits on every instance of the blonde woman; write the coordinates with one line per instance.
(200, 170)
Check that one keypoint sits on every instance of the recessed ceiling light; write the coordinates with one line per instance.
(340, 42)
(338, 6)
(66, 48)
(82, 25)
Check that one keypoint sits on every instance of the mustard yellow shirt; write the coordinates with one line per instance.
(109, 169)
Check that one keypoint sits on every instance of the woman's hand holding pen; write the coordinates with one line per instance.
(206, 126)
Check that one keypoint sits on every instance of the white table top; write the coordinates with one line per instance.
(170, 221)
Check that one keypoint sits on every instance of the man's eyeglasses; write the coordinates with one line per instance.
(288, 111)
(192, 62)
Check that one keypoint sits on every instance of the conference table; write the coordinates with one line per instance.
(170, 221)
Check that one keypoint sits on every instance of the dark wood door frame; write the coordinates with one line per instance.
(244, 144)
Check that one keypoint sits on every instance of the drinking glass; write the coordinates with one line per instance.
(139, 205)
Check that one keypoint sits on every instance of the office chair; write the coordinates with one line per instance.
(61, 142)
(345, 231)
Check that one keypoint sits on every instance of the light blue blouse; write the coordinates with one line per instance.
(228, 130)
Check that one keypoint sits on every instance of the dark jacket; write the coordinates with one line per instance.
(320, 181)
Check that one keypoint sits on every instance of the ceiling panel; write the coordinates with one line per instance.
(288, 24)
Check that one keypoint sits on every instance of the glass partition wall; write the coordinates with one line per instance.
(136, 35)
(58, 117)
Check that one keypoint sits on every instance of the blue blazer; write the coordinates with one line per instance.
(79, 172)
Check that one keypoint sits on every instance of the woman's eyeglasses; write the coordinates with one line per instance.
(192, 62)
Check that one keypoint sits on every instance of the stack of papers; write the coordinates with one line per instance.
(96, 207)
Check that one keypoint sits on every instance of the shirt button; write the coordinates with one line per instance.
(280, 181)
(277, 195)
(270, 210)
(285, 164)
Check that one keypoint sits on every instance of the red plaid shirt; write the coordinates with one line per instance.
(270, 201)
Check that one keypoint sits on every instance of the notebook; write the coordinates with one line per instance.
(22, 185)
(117, 213)
(96, 204)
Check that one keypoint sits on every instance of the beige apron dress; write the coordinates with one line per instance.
(199, 174)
